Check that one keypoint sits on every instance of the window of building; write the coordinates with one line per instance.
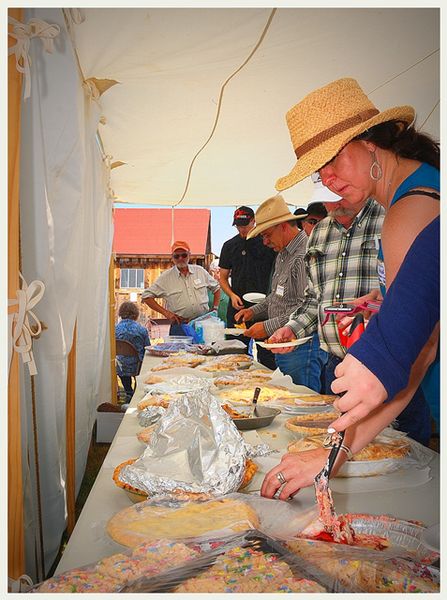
(132, 278)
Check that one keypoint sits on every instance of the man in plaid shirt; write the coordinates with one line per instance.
(341, 265)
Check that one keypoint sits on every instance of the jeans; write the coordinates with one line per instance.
(304, 364)
(328, 375)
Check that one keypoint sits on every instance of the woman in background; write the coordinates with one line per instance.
(129, 330)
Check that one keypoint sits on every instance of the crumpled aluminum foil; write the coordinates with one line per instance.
(195, 447)
(179, 385)
(150, 415)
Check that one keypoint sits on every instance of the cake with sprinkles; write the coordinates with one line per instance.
(246, 570)
(112, 573)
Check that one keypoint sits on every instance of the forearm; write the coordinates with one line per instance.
(224, 284)
(154, 305)
(304, 319)
(272, 325)
(216, 299)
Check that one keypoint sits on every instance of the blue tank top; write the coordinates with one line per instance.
(428, 177)
(425, 176)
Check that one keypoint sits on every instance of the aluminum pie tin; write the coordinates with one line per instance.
(265, 416)
(400, 533)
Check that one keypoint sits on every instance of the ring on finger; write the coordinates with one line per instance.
(280, 477)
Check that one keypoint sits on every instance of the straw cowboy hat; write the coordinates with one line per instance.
(272, 212)
(326, 120)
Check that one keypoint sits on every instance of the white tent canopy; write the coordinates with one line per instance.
(172, 63)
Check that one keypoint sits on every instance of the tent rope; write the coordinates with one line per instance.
(219, 103)
(22, 331)
(23, 33)
(418, 62)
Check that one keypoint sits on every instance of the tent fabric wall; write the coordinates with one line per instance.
(66, 238)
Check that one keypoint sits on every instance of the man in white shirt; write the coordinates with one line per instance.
(184, 288)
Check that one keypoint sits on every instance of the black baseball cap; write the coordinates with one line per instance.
(243, 215)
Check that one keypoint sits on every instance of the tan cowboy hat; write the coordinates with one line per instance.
(326, 120)
(272, 212)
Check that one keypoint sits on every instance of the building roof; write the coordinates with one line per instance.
(148, 230)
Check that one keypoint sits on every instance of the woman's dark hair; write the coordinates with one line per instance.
(403, 141)
(128, 310)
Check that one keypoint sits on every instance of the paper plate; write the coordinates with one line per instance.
(284, 344)
(234, 331)
(253, 297)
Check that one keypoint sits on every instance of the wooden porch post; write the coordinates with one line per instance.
(114, 387)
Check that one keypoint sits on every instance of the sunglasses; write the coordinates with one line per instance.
(180, 255)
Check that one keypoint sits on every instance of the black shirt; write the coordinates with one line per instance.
(250, 263)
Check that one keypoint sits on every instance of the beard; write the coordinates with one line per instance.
(342, 212)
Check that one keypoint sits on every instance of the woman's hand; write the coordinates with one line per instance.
(285, 334)
(298, 469)
(364, 392)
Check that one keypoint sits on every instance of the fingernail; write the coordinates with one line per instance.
(331, 430)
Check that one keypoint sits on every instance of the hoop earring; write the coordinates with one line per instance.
(375, 172)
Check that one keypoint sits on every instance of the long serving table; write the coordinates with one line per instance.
(413, 498)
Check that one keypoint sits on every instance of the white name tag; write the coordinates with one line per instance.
(280, 290)
(197, 281)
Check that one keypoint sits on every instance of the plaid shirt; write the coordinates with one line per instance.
(341, 265)
(288, 284)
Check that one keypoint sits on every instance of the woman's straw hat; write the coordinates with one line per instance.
(326, 120)
(272, 212)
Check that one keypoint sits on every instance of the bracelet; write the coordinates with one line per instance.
(347, 451)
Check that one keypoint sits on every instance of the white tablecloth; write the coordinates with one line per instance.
(89, 542)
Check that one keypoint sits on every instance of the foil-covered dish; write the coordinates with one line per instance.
(195, 447)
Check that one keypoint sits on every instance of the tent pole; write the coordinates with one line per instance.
(112, 306)
(16, 553)
(70, 428)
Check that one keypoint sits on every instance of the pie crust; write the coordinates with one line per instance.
(135, 524)
(270, 393)
(311, 424)
(375, 450)
(140, 495)
(180, 360)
